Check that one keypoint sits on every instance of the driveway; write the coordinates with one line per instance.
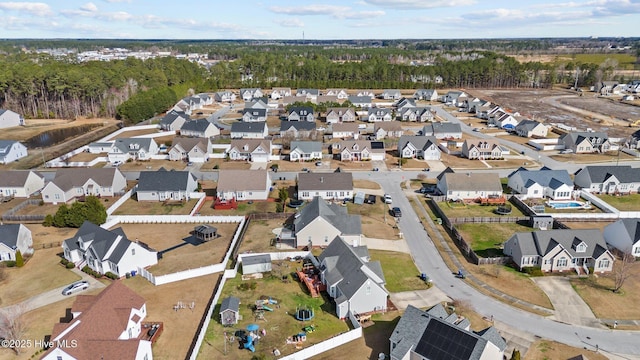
(419, 298)
(384, 244)
(569, 307)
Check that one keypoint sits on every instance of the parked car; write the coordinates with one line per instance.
(387, 199)
(362, 126)
(322, 128)
(396, 212)
(371, 199)
(318, 163)
(76, 287)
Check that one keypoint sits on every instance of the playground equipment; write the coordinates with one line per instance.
(304, 314)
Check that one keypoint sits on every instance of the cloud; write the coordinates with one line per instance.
(364, 14)
(37, 9)
(117, 1)
(89, 7)
(290, 23)
(419, 4)
(308, 10)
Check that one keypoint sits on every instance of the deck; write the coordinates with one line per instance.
(312, 281)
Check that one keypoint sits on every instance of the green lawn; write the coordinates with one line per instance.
(399, 271)
(623, 203)
(625, 61)
(475, 210)
(486, 239)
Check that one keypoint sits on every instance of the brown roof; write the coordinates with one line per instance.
(68, 178)
(189, 143)
(388, 126)
(103, 319)
(325, 181)
(251, 144)
(242, 180)
(344, 127)
(14, 178)
(473, 181)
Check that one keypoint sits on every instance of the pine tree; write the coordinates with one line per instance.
(515, 355)
(19, 259)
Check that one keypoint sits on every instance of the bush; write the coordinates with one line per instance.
(91, 210)
(70, 265)
(533, 271)
(251, 285)
(86, 269)
(111, 275)
(19, 259)
(64, 261)
(10, 263)
(48, 220)
(216, 167)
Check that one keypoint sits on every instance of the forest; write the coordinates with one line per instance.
(38, 85)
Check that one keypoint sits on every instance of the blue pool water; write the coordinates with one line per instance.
(566, 205)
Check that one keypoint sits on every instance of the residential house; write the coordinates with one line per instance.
(199, 128)
(132, 148)
(305, 151)
(531, 129)
(20, 183)
(503, 120)
(421, 114)
(190, 149)
(108, 325)
(249, 130)
(308, 94)
(624, 235)
(455, 98)
(163, 185)
(329, 186)
(188, 104)
(338, 115)
(356, 284)
(253, 150)
(224, 96)
(253, 114)
(538, 184)
(404, 104)
(296, 129)
(319, 223)
(367, 93)
(390, 94)
(205, 98)
(475, 105)
(340, 94)
(325, 99)
(288, 100)
(426, 94)
(487, 113)
(437, 334)
(605, 87)
(345, 131)
(358, 150)
(301, 113)
(230, 311)
(257, 103)
(100, 147)
(9, 119)
(585, 142)
(560, 250)
(443, 130)
(243, 185)
(249, 93)
(71, 183)
(470, 186)
(483, 149)
(378, 114)
(173, 120)
(278, 93)
(384, 130)
(418, 147)
(608, 179)
(14, 238)
(11, 150)
(360, 101)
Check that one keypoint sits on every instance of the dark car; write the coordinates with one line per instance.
(396, 212)
(371, 199)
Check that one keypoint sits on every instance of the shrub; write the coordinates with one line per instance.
(111, 275)
(19, 259)
(216, 167)
(251, 285)
(64, 261)
(48, 220)
(533, 271)
(10, 263)
(41, 203)
(91, 210)
(70, 265)
(86, 269)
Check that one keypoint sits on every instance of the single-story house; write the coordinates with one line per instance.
(624, 235)
(256, 264)
(608, 179)
(419, 147)
(343, 114)
(249, 93)
(132, 148)
(14, 238)
(163, 185)
(341, 94)
(100, 147)
(109, 324)
(420, 114)
(243, 185)
(20, 183)
(205, 232)
(249, 130)
(250, 115)
(503, 120)
(301, 113)
(360, 101)
(278, 93)
(531, 129)
(199, 128)
(11, 150)
(384, 130)
(173, 120)
(190, 149)
(358, 150)
(538, 184)
(9, 119)
(253, 150)
(426, 94)
(230, 311)
(71, 183)
(585, 142)
(443, 130)
(483, 149)
(107, 250)
(470, 186)
(305, 151)
(296, 129)
(329, 186)
(356, 284)
(391, 94)
(560, 250)
(378, 114)
(345, 131)
(320, 223)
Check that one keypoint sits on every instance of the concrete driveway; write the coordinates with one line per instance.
(569, 306)
(419, 298)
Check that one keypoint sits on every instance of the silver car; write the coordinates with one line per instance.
(76, 287)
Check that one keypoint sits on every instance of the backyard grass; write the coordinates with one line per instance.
(600, 225)
(399, 271)
(280, 323)
(487, 239)
(456, 210)
(366, 184)
(134, 207)
(259, 236)
(134, 133)
(624, 202)
(513, 163)
(459, 162)
(244, 208)
(376, 220)
(152, 165)
(611, 156)
(351, 165)
(225, 165)
(85, 157)
(40, 209)
(548, 350)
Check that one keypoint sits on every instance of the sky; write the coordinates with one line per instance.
(320, 19)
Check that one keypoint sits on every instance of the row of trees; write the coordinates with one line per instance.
(75, 215)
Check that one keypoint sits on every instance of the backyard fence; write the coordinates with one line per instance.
(118, 203)
(487, 220)
(11, 214)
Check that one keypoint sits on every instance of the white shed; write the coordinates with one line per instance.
(256, 264)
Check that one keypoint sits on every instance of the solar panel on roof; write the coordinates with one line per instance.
(444, 342)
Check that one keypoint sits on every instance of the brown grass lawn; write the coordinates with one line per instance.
(151, 165)
(596, 292)
(624, 202)
(85, 157)
(134, 133)
(600, 225)
(280, 322)
(457, 162)
(611, 156)
(376, 220)
(284, 165)
(179, 326)
(475, 210)
(226, 165)
(41, 273)
(548, 350)
(188, 256)
(44, 209)
(259, 236)
(512, 163)
(366, 184)
(168, 139)
(244, 208)
(49, 236)
(392, 163)
(133, 207)
(351, 165)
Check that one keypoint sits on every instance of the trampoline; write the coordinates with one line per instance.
(304, 314)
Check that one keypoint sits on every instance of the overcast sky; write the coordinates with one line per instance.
(327, 19)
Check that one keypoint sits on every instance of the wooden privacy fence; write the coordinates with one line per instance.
(11, 214)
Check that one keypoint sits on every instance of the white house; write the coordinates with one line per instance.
(132, 148)
(199, 128)
(426, 94)
(224, 96)
(190, 149)
(319, 223)
(341, 94)
(470, 186)
(363, 102)
(378, 114)
(20, 183)
(390, 94)
(100, 147)
(71, 183)
(249, 93)
(419, 147)
(11, 150)
(253, 150)
(305, 151)
(280, 92)
(249, 115)
(9, 119)
(249, 130)
(343, 114)
(345, 131)
(503, 120)
(624, 235)
(243, 185)
(389, 130)
(552, 184)
(166, 185)
(609, 179)
(329, 186)
(358, 150)
(531, 129)
(173, 120)
(301, 113)
(14, 238)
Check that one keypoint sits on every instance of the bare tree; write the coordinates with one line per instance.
(622, 272)
(13, 325)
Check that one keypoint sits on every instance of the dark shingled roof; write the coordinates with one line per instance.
(9, 234)
(163, 180)
(249, 127)
(325, 181)
(335, 214)
(231, 303)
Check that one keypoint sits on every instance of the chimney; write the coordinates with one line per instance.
(321, 179)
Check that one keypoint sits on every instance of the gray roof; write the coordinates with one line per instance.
(5, 145)
(441, 128)
(579, 136)
(205, 229)
(125, 144)
(15, 178)
(172, 115)
(188, 143)
(249, 127)
(473, 181)
(255, 112)
(334, 214)
(298, 125)
(301, 110)
(420, 142)
(423, 92)
(230, 303)
(300, 92)
(9, 235)
(527, 125)
(163, 180)
(493, 336)
(599, 174)
(256, 259)
(359, 99)
(101, 241)
(546, 178)
(325, 181)
(68, 178)
(379, 111)
(541, 242)
(306, 146)
(632, 228)
(199, 125)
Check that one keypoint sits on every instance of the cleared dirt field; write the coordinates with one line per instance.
(134, 133)
(226, 165)
(605, 106)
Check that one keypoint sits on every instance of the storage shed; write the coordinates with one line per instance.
(205, 232)
(256, 264)
(230, 311)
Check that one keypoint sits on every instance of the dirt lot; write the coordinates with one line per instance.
(134, 133)
(605, 106)
(38, 126)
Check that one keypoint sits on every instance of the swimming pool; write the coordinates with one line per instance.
(568, 204)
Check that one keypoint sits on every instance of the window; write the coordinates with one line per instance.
(582, 247)
(562, 262)
(133, 252)
(305, 194)
(326, 238)
(57, 196)
(636, 250)
(603, 263)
